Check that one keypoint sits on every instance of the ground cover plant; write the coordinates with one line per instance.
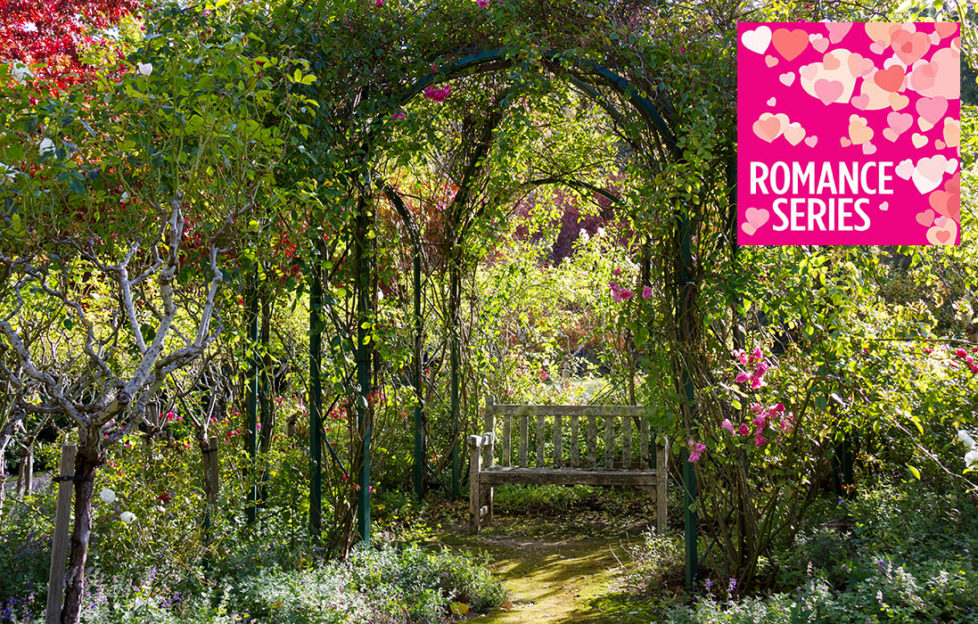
(264, 264)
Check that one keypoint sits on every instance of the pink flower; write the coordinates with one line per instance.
(619, 294)
(756, 355)
(743, 430)
(741, 377)
(696, 450)
(760, 422)
(726, 424)
(544, 375)
(928, 351)
(616, 272)
(482, 3)
(379, 3)
(762, 367)
(437, 95)
(961, 353)
(741, 356)
(759, 440)
(398, 116)
(170, 415)
(779, 408)
(756, 382)
(646, 292)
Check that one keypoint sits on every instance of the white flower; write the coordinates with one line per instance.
(107, 495)
(124, 198)
(145, 68)
(966, 439)
(600, 232)
(127, 517)
(46, 146)
(971, 458)
(140, 602)
(20, 71)
(7, 174)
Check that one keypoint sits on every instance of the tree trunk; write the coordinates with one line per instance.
(87, 460)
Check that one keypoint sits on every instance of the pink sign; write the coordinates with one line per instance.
(848, 134)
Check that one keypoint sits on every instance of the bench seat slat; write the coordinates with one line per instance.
(567, 410)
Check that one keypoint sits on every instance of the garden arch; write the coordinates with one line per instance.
(588, 76)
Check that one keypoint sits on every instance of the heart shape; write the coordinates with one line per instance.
(884, 206)
(859, 130)
(838, 30)
(944, 233)
(910, 47)
(946, 29)
(928, 173)
(757, 40)
(859, 65)
(820, 43)
(754, 218)
(925, 218)
(939, 144)
(899, 122)
(787, 79)
(772, 101)
(790, 43)
(877, 48)
(905, 169)
(770, 61)
(947, 202)
(811, 141)
(898, 102)
(869, 149)
(931, 109)
(918, 140)
(767, 127)
(952, 132)
(890, 79)
(890, 134)
(844, 142)
(860, 101)
(794, 133)
(828, 91)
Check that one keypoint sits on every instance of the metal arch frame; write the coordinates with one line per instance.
(502, 58)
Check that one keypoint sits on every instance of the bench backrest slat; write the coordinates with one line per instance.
(524, 438)
(575, 458)
(619, 421)
(540, 439)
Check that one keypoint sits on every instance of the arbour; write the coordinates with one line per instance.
(589, 77)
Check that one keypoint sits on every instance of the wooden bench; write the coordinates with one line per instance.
(568, 466)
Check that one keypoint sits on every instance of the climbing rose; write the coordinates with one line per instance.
(726, 424)
(741, 356)
(127, 517)
(646, 292)
(743, 430)
(696, 450)
(107, 495)
(437, 95)
(971, 458)
(961, 353)
(965, 438)
(482, 3)
(741, 377)
(398, 116)
(145, 68)
(759, 439)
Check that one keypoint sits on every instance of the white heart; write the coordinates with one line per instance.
(757, 40)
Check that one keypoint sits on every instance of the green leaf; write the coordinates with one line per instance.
(914, 472)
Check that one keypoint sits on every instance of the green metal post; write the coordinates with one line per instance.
(687, 290)
(364, 300)
(315, 405)
(455, 304)
(419, 450)
(254, 363)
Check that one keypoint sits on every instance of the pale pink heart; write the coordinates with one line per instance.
(844, 142)
(811, 141)
(767, 127)
(939, 144)
(928, 173)
(890, 62)
(772, 101)
(859, 65)
(931, 109)
(831, 61)
(794, 133)
(821, 43)
(771, 61)
(899, 122)
(925, 218)
(890, 134)
(940, 221)
(860, 101)
(754, 218)
(787, 79)
(838, 30)
(757, 40)
(877, 48)
(951, 167)
(935, 38)
(869, 149)
(905, 169)
(859, 130)
(947, 83)
(952, 132)
(809, 71)
(828, 91)
(946, 29)
(943, 234)
(924, 125)
(918, 140)
(885, 206)
(898, 102)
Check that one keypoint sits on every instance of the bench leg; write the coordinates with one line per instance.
(489, 515)
(661, 483)
(475, 510)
